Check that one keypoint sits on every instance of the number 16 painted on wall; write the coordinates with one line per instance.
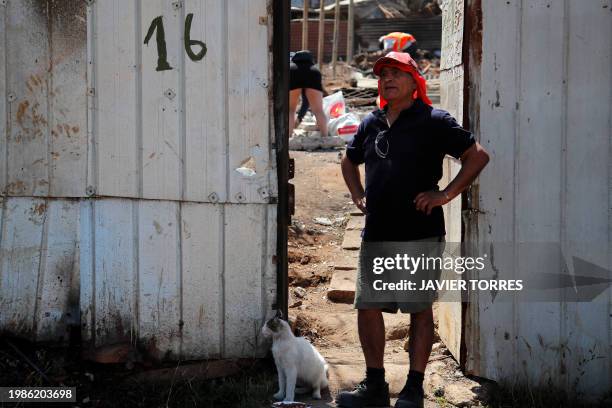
(157, 26)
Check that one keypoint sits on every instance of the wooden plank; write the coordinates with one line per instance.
(202, 246)
(68, 100)
(242, 276)
(160, 290)
(347, 260)
(452, 33)
(352, 240)
(162, 95)
(350, 35)
(117, 82)
(321, 34)
(20, 257)
(305, 26)
(114, 274)
(451, 86)
(28, 77)
(498, 105)
(248, 86)
(342, 287)
(336, 36)
(356, 223)
(205, 108)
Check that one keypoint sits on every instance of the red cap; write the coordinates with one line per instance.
(402, 61)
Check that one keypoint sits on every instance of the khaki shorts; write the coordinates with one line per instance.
(391, 301)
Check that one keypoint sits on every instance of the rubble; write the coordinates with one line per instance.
(312, 142)
(398, 332)
(323, 221)
(434, 384)
(460, 395)
(299, 292)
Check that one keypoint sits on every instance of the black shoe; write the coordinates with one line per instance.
(365, 394)
(410, 397)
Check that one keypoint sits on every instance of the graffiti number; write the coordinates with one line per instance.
(190, 43)
(157, 26)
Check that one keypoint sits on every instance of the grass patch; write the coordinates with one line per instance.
(252, 388)
(114, 385)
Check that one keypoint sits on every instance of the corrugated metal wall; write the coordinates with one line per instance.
(175, 247)
(426, 30)
(544, 110)
(164, 135)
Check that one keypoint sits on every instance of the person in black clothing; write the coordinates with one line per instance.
(403, 146)
(305, 77)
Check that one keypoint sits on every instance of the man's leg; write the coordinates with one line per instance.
(371, 327)
(421, 339)
(419, 347)
(373, 391)
(315, 99)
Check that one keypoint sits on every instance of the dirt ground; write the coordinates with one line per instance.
(314, 249)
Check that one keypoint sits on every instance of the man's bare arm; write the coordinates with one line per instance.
(352, 178)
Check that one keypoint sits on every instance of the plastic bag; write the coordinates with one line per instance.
(344, 126)
(334, 106)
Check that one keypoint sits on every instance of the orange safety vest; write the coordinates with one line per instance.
(401, 41)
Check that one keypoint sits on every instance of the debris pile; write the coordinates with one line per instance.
(342, 124)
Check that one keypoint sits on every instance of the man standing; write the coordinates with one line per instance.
(402, 145)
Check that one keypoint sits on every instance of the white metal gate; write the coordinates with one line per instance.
(151, 166)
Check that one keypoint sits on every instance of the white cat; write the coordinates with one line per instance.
(297, 361)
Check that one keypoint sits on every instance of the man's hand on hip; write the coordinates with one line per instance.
(427, 200)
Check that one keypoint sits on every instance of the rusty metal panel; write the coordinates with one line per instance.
(548, 133)
(44, 143)
(39, 286)
(27, 139)
(91, 112)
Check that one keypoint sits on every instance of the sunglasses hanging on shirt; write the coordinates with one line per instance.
(381, 144)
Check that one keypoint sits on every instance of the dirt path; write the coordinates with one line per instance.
(314, 251)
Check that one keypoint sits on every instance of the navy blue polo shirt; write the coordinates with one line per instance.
(414, 148)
